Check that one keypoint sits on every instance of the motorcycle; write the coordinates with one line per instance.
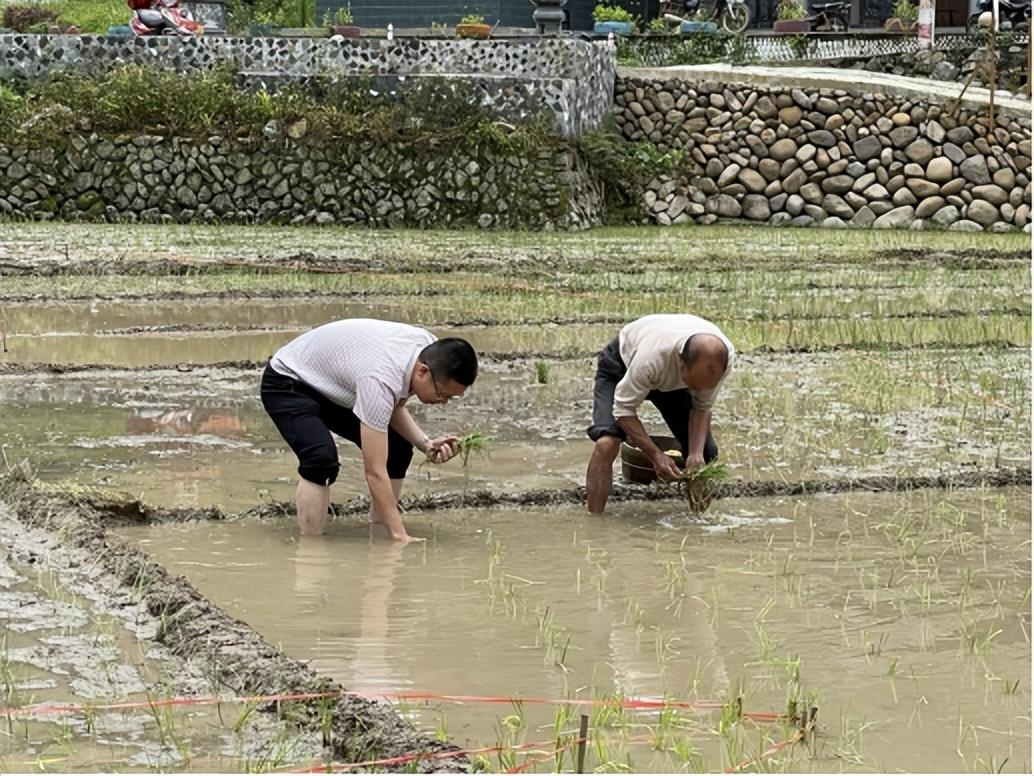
(1011, 14)
(831, 17)
(733, 16)
(162, 17)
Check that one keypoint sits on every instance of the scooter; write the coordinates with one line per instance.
(162, 17)
(1011, 14)
(831, 17)
(733, 16)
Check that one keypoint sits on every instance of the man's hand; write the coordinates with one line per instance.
(442, 448)
(665, 467)
(694, 462)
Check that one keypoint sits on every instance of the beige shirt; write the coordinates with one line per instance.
(651, 348)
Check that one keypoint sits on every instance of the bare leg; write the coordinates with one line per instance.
(312, 501)
(599, 476)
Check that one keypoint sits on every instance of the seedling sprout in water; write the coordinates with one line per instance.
(702, 484)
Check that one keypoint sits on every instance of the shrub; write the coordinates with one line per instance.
(610, 13)
(905, 10)
(92, 16)
(21, 18)
(342, 17)
(473, 18)
(790, 10)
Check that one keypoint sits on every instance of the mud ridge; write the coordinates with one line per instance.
(175, 328)
(180, 296)
(192, 627)
(535, 263)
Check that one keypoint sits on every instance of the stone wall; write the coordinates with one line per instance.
(571, 81)
(155, 179)
(825, 156)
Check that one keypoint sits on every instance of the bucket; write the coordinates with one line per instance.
(636, 467)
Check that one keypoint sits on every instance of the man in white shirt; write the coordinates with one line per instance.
(353, 377)
(678, 363)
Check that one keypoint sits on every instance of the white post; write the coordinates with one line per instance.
(926, 23)
(391, 31)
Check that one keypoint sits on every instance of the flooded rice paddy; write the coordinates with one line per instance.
(131, 360)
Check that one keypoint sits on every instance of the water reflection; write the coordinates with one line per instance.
(192, 420)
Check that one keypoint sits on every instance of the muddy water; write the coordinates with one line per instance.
(201, 438)
(909, 615)
(67, 640)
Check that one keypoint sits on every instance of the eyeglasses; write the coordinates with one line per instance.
(437, 390)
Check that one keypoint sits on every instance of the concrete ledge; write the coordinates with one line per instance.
(832, 78)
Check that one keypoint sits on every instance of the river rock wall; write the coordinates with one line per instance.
(156, 179)
(782, 155)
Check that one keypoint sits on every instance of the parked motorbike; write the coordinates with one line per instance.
(733, 16)
(162, 17)
(1011, 14)
(831, 17)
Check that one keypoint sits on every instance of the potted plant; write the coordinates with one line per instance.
(473, 26)
(611, 18)
(791, 17)
(904, 16)
(341, 22)
(700, 22)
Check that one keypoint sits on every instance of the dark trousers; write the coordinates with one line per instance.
(674, 406)
(305, 417)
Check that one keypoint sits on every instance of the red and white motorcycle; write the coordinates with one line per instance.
(162, 17)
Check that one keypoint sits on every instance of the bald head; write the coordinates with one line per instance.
(705, 358)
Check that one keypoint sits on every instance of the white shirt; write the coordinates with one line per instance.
(359, 363)
(651, 348)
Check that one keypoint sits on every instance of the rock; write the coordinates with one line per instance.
(714, 168)
(765, 108)
(783, 149)
(927, 207)
(917, 225)
(822, 138)
(833, 223)
(974, 169)
(922, 188)
(953, 152)
(903, 197)
(728, 175)
(802, 220)
(1004, 178)
(944, 71)
(780, 219)
(876, 192)
(777, 202)
(678, 205)
(752, 180)
(864, 217)
(900, 119)
(769, 169)
(805, 153)
(666, 102)
(835, 206)
(812, 193)
(919, 151)
(867, 148)
(724, 206)
(792, 183)
(864, 181)
(756, 208)
(984, 213)
(1022, 216)
(1001, 227)
(816, 213)
(934, 132)
(902, 136)
(897, 218)
(794, 204)
(790, 116)
(965, 226)
(939, 170)
(996, 195)
(837, 184)
(954, 186)
(880, 207)
(960, 135)
(946, 216)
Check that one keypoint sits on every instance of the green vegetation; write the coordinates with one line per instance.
(611, 13)
(790, 10)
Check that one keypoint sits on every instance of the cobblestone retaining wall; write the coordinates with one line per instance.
(155, 179)
(571, 80)
(829, 157)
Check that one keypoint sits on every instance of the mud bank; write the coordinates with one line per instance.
(191, 627)
(534, 263)
(116, 509)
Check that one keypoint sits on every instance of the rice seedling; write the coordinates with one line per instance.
(701, 485)
(541, 372)
(472, 443)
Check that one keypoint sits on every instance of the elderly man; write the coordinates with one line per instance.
(678, 362)
(353, 377)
